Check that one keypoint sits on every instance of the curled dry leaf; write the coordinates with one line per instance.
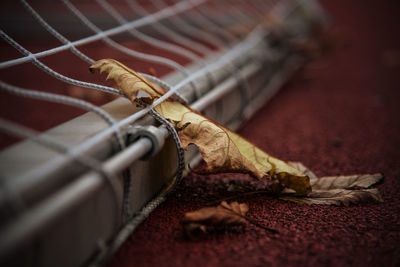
(346, 182)
(221, 216)
(128, 81)
(338, 182)
(222, 149)
(338, 197)
(226, 151)
(339, 190)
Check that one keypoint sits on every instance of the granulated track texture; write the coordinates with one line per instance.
(339, 115)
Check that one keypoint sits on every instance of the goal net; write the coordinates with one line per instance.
(80, 166)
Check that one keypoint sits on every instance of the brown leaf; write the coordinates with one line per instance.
(346, 182)
(221, 216)
(226, 151)
(338, 190)
(128, 81)
(338, 197)
(338, 182)
(222, 149)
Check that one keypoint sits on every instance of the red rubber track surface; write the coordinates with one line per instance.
(339, 115)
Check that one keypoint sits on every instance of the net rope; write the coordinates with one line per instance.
(138, 55)
(143, 21)
(143, 56)
(158, 43)
(136, 8)
(78, 53)
(66, 100)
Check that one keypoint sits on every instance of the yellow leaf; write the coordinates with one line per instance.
(128, 81)
(222, 149)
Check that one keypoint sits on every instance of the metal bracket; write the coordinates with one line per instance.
(156, 136)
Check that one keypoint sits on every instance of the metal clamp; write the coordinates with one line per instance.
(156, 135)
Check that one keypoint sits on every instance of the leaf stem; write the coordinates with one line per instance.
(274, 231)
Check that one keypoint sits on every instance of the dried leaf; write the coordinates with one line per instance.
(346, 182)
(338, 197)
(128, 81)
(338, 182)
(221, 216)
(225, 151)
(338, 190)
(222, 149)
